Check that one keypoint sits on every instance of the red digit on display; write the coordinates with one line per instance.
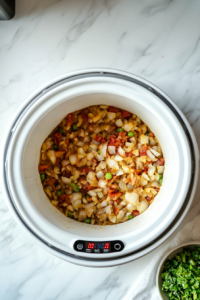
(106, 246)
(91, 246)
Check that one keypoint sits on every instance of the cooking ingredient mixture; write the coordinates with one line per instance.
(101, 165)
(181, 275)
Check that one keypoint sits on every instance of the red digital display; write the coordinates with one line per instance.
(106, 246)
(91, 246)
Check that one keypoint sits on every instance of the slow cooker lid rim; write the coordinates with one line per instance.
(80, 76)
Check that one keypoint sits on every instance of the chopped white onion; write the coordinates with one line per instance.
(104, 149)
(151, 170)
(104, 203)
(65, 162)
(92, 193)
(119, 123)
(144, 139)
(113, 164)
(119, 172)
(121, 152)
(122, 185)
(52, 156)
(66, 180)
(150, 155)
(99, 157)
(118, 158)
(100, 195)
(132, 198)
(143, 206)
(145, 176)
(100, 175)
(136, 152)
(111, 115)
(160, 169)
(108, 210)
(111, 149)
(155, 152)
(73, 159)
(102, 183)
(127, 127)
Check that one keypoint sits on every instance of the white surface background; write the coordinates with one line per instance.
(155, 39)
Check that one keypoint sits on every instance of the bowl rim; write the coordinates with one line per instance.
(192, 243)
(101, 72)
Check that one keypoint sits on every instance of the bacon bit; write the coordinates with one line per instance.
(67, 141)
(116, 211)
(99, 139)
(94, 162)
(54, 188)
(58, 161)
(135, 213)
(86, 188)
(112, 140)
(67, 174)
(143, 151)
(84, 170)
(69, 119)
(43, 168)
(138, 172)
(122, 134)
(64, 198)
(148, 198)
(117, 201)
(84, 116)
(128, 154)
(160, 161)
(115, 195)
(59, 153)
(146, 169)
(57, 138)
(67, 155)
(125, 114)
(51, 181)
(112, 109)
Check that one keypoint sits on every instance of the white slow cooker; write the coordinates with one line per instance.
(65, 237)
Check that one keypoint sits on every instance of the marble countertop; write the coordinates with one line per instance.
(155, 39)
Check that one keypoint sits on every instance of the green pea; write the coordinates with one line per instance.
(160, 178)
(160, 181)
(88, 221)
(108, 176)
(74, 127)
(61, 130)
(130, 217)
(130, 133)
(75, 187)
(70, 214)
(120, 129)
(43, 176)
(99, 152)
(87, 196)
(58, 193)
(55, 147)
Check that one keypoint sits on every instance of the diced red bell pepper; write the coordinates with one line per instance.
(128, 154)
(43, 168)
(145, 169)
(64, 198)
(99, 139)
(160, 161)
(115, 195)
(143, 151)
(84, 116)
(70, 120)
(84, 170)
(126, 114)
(112, 140)
(135, 213)
(116, 211)
(57, 138)
(112, 109)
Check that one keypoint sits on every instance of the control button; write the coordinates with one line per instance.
(105, 250)
(79, 246)
(97, 251)
(89, 250)
(117, 246)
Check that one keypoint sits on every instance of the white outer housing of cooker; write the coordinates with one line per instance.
(23, 156)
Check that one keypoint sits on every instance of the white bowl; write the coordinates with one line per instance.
(37, 118)
(170, 255)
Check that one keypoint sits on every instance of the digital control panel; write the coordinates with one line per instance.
(98, 247)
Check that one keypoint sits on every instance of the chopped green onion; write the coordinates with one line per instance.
(58, 193)
(130, 133)
(120, 129)
(88, 221)
(61, 130)
(75, 187)
(70, 214)
(130, 217)
(42, 176)
(99, 152)
(75, 127)
(55, 147)
(87, 196)
(108, 176)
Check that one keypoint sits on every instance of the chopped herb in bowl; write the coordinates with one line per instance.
(181, 275)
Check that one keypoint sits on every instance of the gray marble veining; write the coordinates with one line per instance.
(155, 39)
